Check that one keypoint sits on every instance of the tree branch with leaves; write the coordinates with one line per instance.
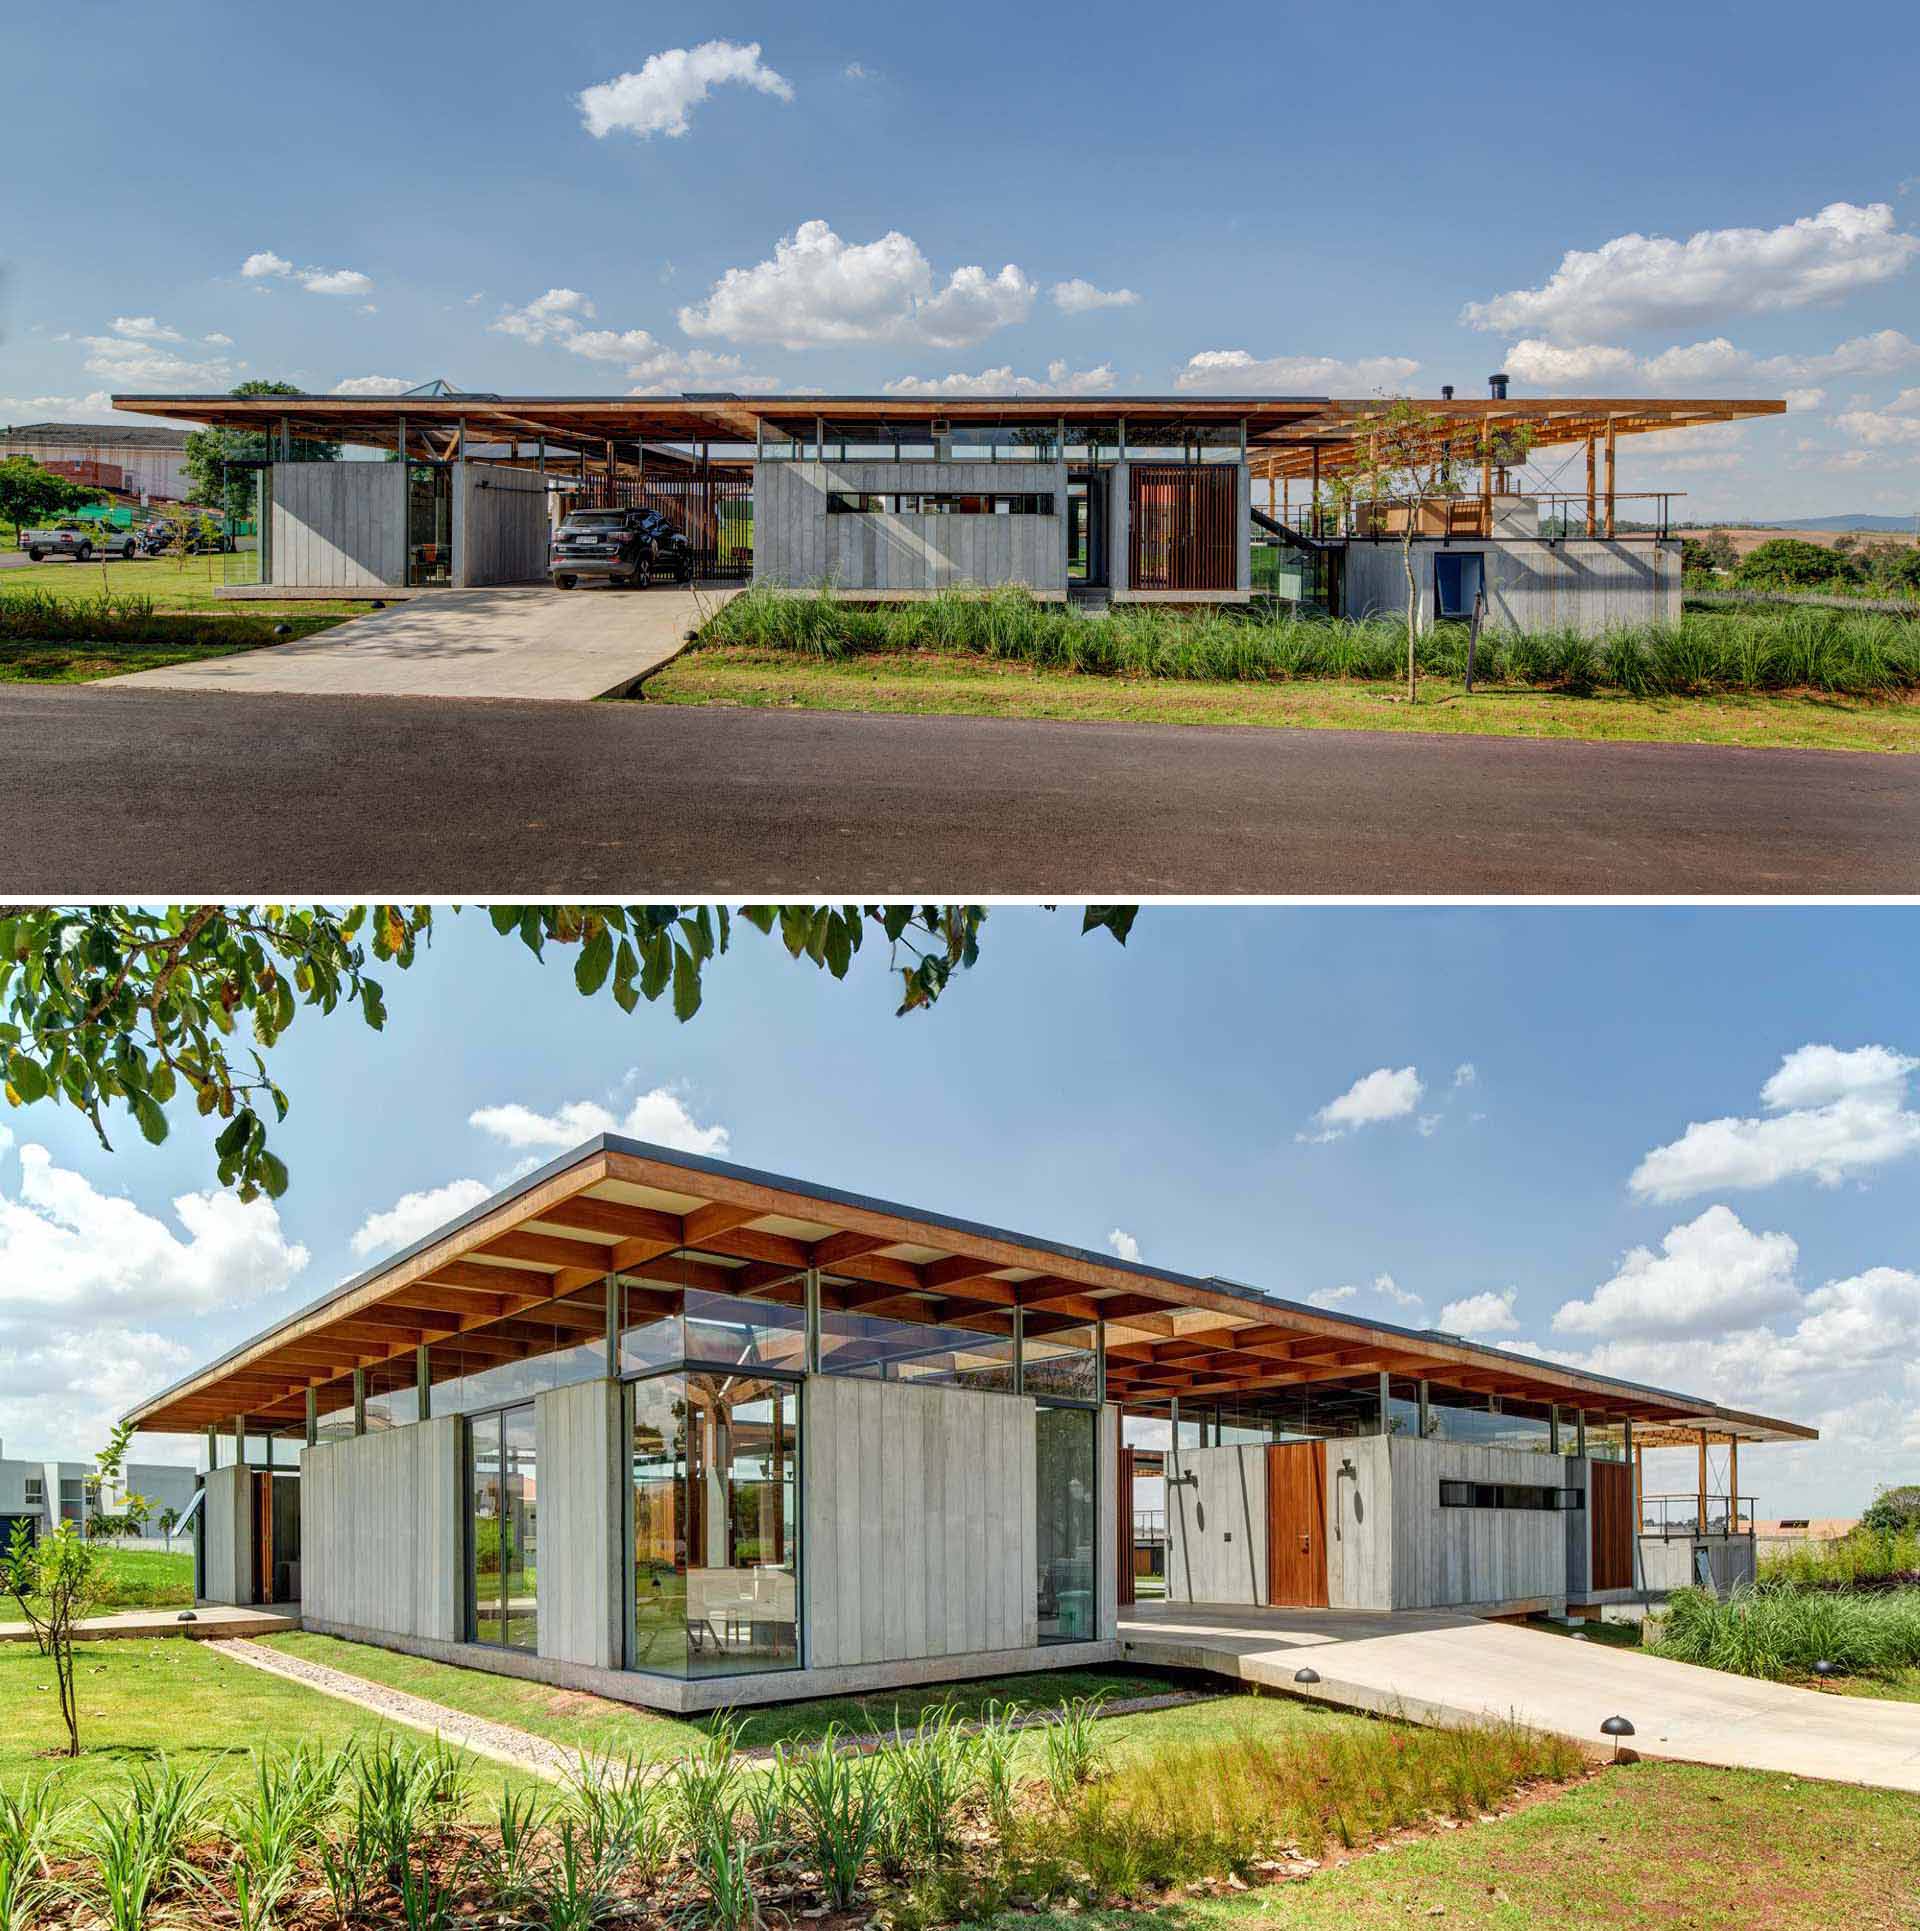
(107, 1008)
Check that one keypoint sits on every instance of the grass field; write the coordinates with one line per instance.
(596, 1724)
(961, 685)
(139, 1700)
(175, 584)
(135, 1579)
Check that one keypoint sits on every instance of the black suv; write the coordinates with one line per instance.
(623, 546)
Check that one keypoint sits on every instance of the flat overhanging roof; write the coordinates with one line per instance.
(1283, 432)
(521, 1275)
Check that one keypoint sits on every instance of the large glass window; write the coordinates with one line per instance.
(1067, 1491)
(885, 1347)
(504, 1543)
(696, 1307)
(716, 1524)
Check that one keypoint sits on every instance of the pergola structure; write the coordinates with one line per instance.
(550, 1264)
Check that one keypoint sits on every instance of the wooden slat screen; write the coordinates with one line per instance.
(1181, 530)
(713, 509)
(1610, 1524)
(1123, 1527)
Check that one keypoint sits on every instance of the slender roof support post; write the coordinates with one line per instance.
(1314, 529)
(1173, 1411)
(1610, 477)
(1632, 1454)
(239, 1441)
(612, 1317)
(1733, 1484)
(1100, 1361)
(313, 1416)
(422, 1384)
(1486, 477)
(1591, 486)
(1426, 1411)
(1703, 1482)
(1383, 1401)
(286, 439)
(811, 1291)
(1553, 1428)
(1580, 1433)
(213, 1449)
(1019, 1349)
(359, 1401)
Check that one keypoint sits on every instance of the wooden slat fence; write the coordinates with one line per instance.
(1181, 532)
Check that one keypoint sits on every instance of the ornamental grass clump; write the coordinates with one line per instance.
(1782, 1632)
(839, 1798)
(32, 1821)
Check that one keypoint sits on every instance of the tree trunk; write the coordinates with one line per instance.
(1413, 616)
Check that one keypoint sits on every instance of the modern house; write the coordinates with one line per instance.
(131, 459)
(688, 1434)
(49, 1492)
(1115, 499)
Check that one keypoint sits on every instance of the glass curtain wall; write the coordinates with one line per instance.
(715, 1464)
(503, 1543)
(1066, 1500)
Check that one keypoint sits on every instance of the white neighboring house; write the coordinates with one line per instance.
(71, 1492)
(139, 460)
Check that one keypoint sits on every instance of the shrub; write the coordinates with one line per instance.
(1893, 1511)
(1790, 562)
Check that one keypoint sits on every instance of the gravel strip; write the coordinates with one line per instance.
(499, 1741)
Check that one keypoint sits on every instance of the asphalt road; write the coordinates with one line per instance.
(116, 792)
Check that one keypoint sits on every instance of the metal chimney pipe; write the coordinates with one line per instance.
(1497, 387)
(1446, 392)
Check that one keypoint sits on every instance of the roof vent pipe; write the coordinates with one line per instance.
(1497, 387)
(1446, 392)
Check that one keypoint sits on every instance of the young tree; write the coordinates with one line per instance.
(56, 1581)
(31, 493)
(209, 451)
(1407, 457)
(123, 1004)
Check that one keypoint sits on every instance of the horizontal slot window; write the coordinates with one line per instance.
(1509, 1495)
(942, 502)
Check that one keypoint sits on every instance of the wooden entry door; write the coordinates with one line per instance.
(1610, 1524)
(1297, 1525)
(262, 1535)
(1123, 1528)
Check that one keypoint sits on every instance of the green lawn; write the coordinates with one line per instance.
(140, 1699)
(135, 1579)
(578, 1721)
(1647, 1844)
(175, 584)
(953, 684)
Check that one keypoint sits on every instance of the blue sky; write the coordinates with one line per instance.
(1229, 1094)
(605, 197)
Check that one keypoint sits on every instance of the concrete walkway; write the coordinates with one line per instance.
(516, 642)
(209, 1622)
(1436, 1667)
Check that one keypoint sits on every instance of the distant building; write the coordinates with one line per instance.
(149, 463)
(1801, 1531)
(53, 1492)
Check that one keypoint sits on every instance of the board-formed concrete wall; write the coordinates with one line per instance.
(582, 1469)
(920, 1522)
(1667, 1562)
(500, 524)
(1587, 586)
(1360, 1538)
(226, 1518)
(383, 1548)
(1217, 1525)
(797, 544)
(338, 526)
(1472, 1557)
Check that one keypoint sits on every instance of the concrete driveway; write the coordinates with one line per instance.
(525, 641)
(1438, 1667)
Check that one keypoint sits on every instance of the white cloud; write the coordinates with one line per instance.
(820, 291)
(62, 1388)
(1235, 372)
(145, 328)
(373, 385)
(1380, 1095)
(1060, 381)
(1081, 297)
(1465, 1074)
(659, 98)
(218, 341)
(1696, 368)
(1124, 1245)
(71, 1253)
(560, 318)
(855, 71)
(88, 408)
(1487, 1313)
(265, 266)
(1428, 1124)
(414, 1215)
(1650, 281)
(1383, 1287)
(1711, 1275)
(1893, 425)
(1331, 1297)
(1835, 1115)
(659, 1115)
(1389, 1289)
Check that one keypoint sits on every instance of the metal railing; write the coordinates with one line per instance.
(1677, 1515)
(1552, 515)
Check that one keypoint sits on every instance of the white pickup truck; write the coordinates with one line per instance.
(81, 541)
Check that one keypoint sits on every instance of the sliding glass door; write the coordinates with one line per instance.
(504, 1540)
